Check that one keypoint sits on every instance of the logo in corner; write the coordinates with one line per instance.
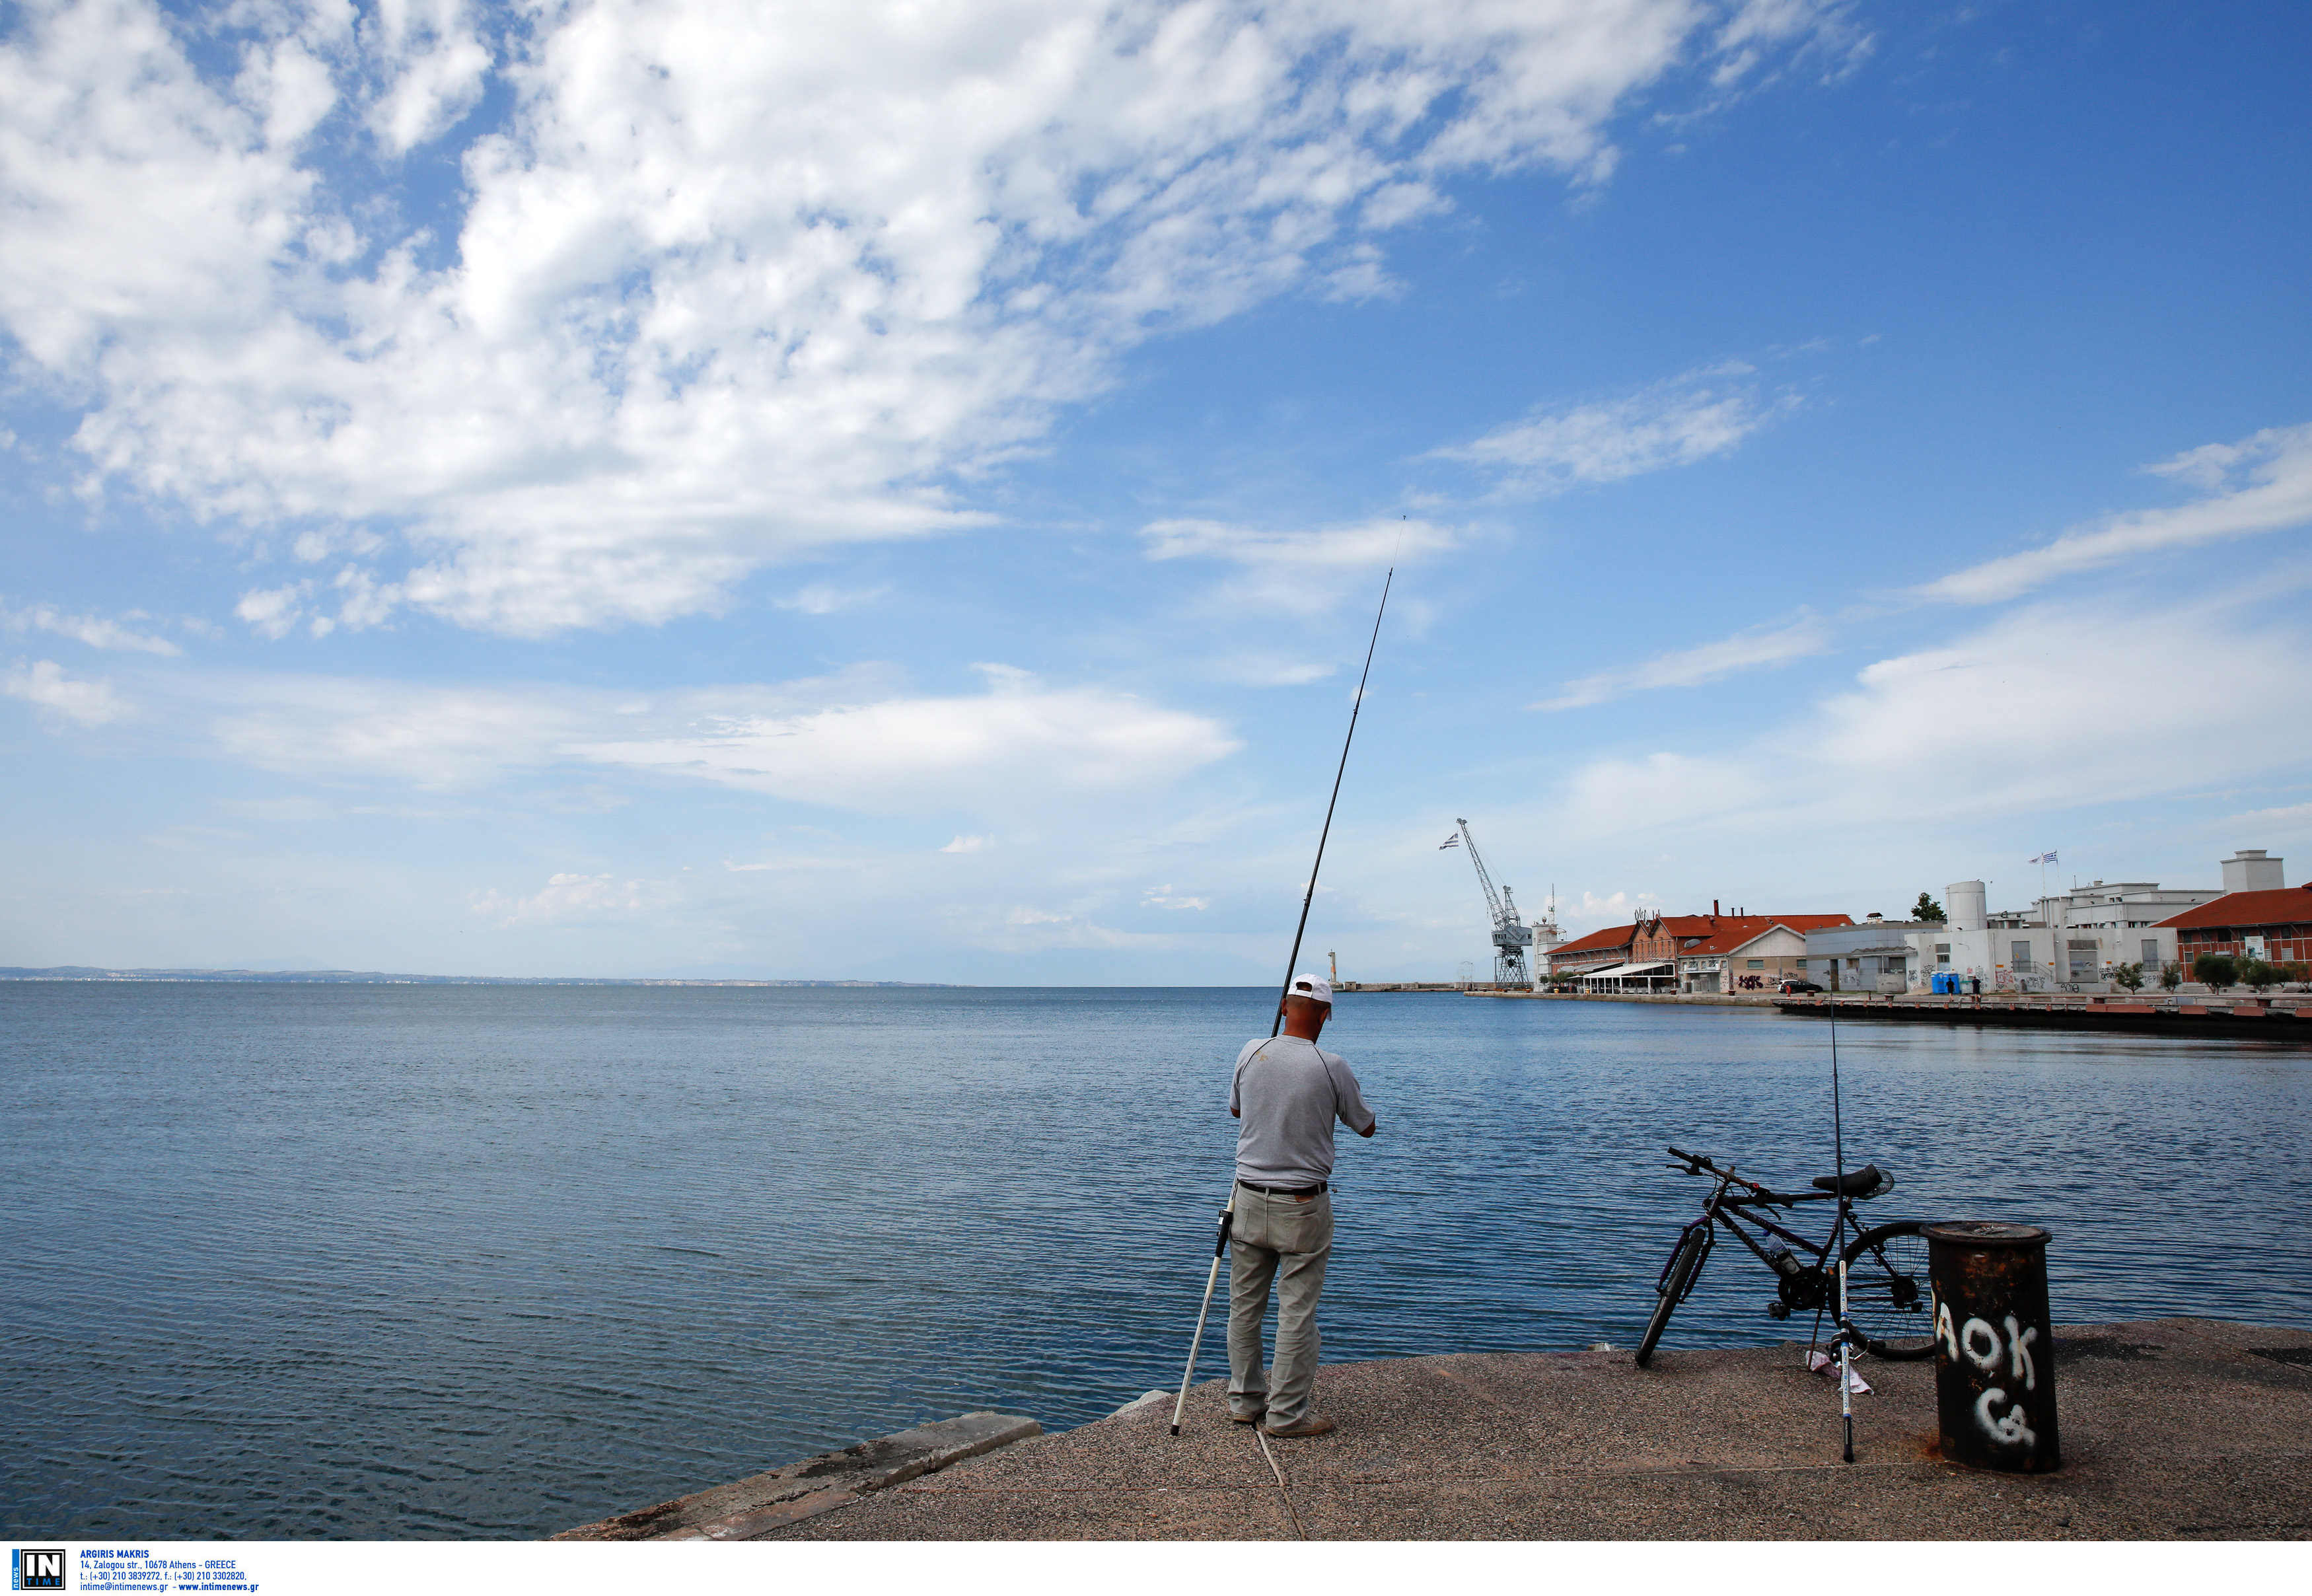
(35, 1568)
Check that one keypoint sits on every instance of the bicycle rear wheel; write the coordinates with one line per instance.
(1887, 1295)
(1676, 1281)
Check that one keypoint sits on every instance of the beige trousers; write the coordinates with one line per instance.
(1278, 1240)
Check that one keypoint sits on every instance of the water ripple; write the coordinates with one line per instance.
(491, 1261)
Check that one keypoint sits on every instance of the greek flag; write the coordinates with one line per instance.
(2045, 858)
(1453, 841)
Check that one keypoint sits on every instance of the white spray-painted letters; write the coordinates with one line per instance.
(2010, 1428)
(1978, 1342)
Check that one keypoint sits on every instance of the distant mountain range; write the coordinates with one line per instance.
(90, 972)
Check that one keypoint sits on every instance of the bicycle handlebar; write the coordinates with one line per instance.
(1695, 1163)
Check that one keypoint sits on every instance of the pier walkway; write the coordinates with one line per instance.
(2173, 1428)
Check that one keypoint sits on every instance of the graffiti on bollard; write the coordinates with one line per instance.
(1994, 1358)
(1979, 1344)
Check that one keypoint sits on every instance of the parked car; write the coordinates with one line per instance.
(1798, 986)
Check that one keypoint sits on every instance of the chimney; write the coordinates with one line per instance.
(1713, 908)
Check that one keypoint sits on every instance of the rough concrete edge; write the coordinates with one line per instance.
(1146, 1399)
(799, 1490)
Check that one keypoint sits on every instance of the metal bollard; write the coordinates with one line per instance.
(1995, 1344)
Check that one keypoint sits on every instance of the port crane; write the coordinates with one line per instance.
(1512, 935)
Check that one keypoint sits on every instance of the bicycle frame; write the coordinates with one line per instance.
(1734, 1211)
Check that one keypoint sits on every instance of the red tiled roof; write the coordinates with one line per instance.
(1731, 934)
(1722, 934)
(1596, 942)
(2274, 906)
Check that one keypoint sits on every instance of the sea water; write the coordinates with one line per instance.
(467, 1261)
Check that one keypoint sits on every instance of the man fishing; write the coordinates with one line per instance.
(1284, 1158)
(1288, 1092)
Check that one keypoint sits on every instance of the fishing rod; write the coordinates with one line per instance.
(1291, 962)
(1838, 1239)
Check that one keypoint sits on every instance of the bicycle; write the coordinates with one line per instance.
(1888, 1301)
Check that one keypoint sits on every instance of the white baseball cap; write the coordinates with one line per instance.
(1315, 988)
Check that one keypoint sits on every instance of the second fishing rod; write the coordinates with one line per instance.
(1292, 963)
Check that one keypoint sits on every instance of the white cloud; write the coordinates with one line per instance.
(1027, 929)
(94, 630)
(1372, 543)
(570, 897)
(2261, 484)
(1298, 571)
(276, 811)
(1707, 662)
(734, 280)
(822, 599)
(851, 741)
(436, 66)
(1164, 896)
(2050, 707)
(968, 845)
(273, 612)
(1267, 671)
(61, 696)
(365, 603)
(1589, 912)
(2288, 821)
(1687, 419)
(1019, 744)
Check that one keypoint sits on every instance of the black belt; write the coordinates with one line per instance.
(1284, 1190)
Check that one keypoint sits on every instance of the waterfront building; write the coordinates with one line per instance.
(1750, 952)
(1712, 952)
(2271, 923)
(1873, 955)
(2122, 917)
(2076, 940)
(1600, 950)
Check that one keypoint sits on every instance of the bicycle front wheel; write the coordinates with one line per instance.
(1887, 1297)
(1677, 1280)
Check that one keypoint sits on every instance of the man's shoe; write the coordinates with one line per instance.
(1312, 1425)
(1248, 1418)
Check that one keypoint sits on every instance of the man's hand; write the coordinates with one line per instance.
(1368, 1132)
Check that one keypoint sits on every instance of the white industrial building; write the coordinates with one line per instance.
(2072, 941)
(1874, 956)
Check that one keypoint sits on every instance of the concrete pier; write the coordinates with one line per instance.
(2278, 1018)
(751, 1508)
(2172, 1429)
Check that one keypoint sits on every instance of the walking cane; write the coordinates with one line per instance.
(1221, 1241)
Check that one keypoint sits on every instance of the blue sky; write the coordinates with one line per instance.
(888, 493)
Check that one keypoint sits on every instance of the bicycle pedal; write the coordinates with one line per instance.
(1778, 1310)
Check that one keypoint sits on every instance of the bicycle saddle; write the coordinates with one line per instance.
(1859, 1182)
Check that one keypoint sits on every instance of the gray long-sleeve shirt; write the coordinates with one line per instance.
(1290, 1092)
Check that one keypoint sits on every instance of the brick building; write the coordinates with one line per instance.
(1748, 952)
(1709, 952)
(1596, 952)
(2274, 925)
